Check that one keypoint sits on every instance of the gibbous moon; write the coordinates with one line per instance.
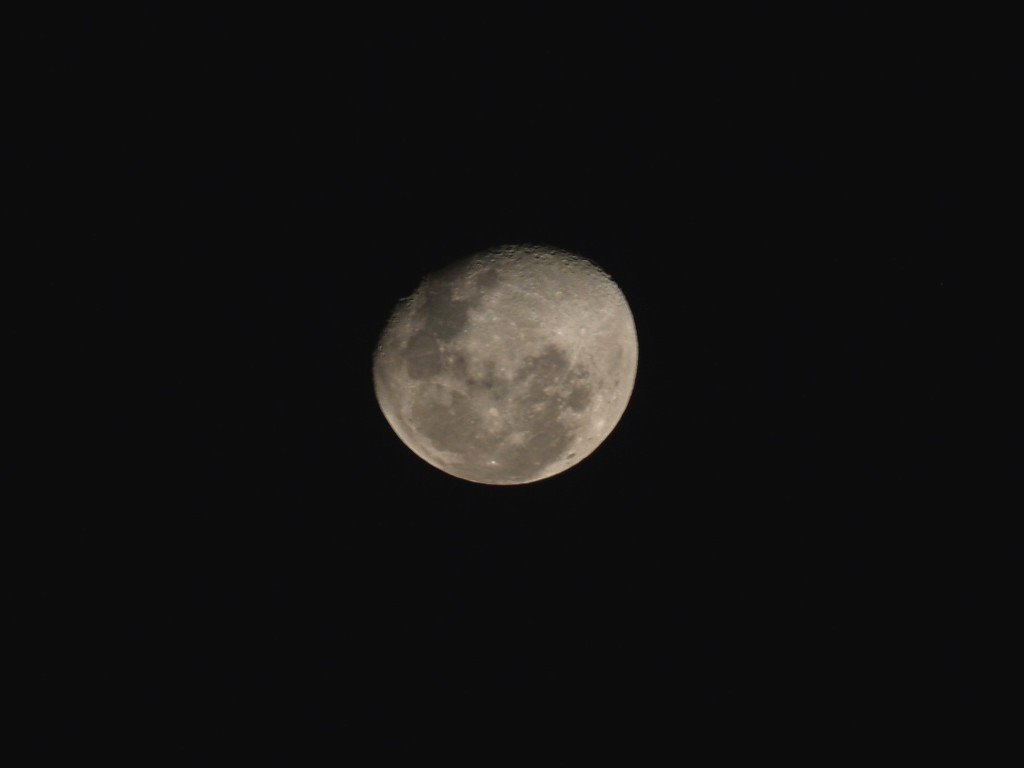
(509, 366)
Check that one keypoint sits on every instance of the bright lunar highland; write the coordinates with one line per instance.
(509, 366)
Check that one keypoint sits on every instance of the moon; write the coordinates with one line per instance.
(508, 367)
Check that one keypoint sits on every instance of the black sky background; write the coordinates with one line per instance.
(798, 540)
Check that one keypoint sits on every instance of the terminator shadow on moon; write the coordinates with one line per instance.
(508, 367)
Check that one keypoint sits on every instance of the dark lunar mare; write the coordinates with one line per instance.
(443, 317)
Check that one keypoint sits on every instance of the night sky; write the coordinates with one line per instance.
(796, 541)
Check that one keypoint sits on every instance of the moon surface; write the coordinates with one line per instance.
(509, 366)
